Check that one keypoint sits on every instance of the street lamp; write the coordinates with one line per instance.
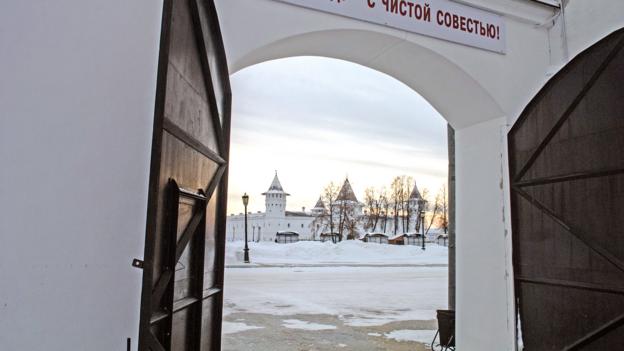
(421, 204)
(245, 202)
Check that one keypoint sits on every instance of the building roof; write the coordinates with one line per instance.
(377, 234)
(276, 186)
(415, 193)
(396, 237)
(319, 204)
(346, 192)
(362, 236)
(287, 233)
(298, 214)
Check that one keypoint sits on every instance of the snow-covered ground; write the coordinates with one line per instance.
(346, 252)
(359, 296)
(351, 295)
(421, 336)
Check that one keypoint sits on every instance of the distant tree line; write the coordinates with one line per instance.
(383, 206)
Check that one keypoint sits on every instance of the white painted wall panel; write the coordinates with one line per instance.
(77, 92)
(485, 311)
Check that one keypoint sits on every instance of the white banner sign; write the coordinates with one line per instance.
(441, 19)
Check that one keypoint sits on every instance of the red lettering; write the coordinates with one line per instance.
(440, 18)
(418, 11)
(402, 9)
(462, 23)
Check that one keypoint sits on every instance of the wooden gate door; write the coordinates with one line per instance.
(566, 155)
(181, 302)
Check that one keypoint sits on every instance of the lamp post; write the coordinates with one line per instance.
(245, 202)
(421, 204)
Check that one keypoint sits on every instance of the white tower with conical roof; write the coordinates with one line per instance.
(347, 197)
(275, 199)
(414, 199)
(319, 209)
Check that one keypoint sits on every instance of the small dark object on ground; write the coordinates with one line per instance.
(446, 330)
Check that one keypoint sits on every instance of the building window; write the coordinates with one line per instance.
(301, 225)
(288, 225)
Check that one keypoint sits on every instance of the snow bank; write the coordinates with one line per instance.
(304, 325)
(345, 252)
(232, 327)
(421, 336)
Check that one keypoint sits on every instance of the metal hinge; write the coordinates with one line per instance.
(137, 263)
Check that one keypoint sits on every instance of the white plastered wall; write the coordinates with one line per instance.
(77, 89)
(484, 276)
(469, 87)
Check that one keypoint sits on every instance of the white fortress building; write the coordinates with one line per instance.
(309, 224)
(263, 226)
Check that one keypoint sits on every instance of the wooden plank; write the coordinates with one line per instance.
(571, 284)
(570, 177)
(596, 334)
(186, 138)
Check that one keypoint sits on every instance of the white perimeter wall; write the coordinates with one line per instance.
(77, 87)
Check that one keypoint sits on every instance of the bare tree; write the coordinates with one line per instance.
(350, 225)
(330, 192)
(396, 189)
(385, 205)
(342, 216)
(406, 190)
(400, 190)
(422, 207)
(437, 204)
(373, 209)
(442, 220)
(347, 221)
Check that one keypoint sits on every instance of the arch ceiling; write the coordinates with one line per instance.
(459, 98)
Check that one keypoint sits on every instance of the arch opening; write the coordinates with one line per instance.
(263, 227)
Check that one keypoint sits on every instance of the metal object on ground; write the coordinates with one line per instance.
(446, 331)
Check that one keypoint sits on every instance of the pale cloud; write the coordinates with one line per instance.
(317, 120)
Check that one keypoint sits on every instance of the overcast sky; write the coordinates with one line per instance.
(317, 120)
